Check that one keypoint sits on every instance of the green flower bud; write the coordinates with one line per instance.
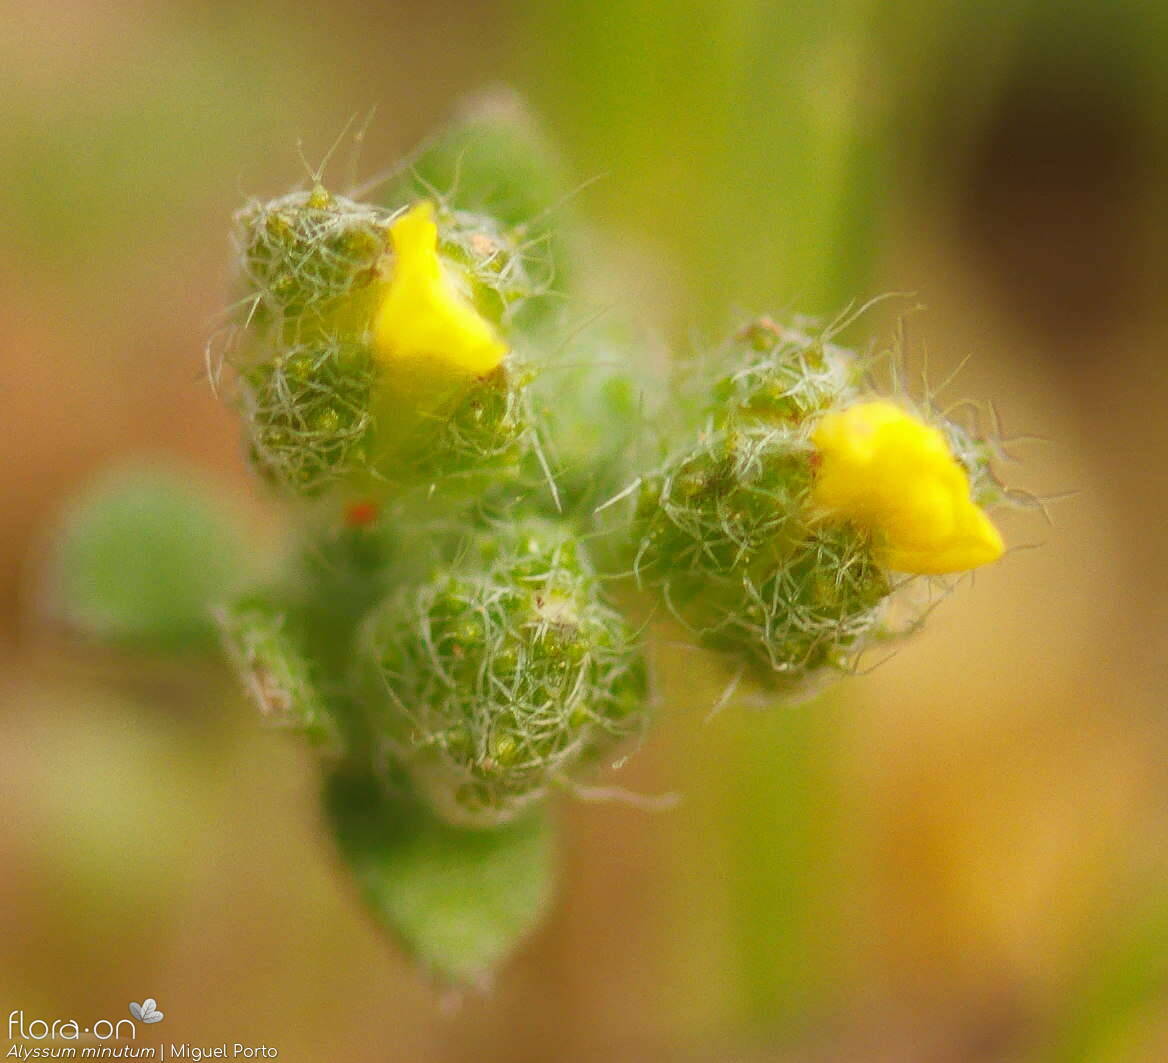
(502, 673)
(773, 537)
(477, 441)
(798, 620)
(781, 376)
(726, 531)
(733, 502)
(726, 538)
(501, 274)
(310, 265)
(493, 158)
(309, 415)
(331, 404)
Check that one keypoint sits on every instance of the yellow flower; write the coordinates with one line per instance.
(425, 324)
(890, 473)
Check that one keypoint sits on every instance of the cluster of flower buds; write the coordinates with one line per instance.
(781, 532)
(371, 352)
(443, 633)
(455, 640)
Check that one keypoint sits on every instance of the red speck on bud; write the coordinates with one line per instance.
(361, 514)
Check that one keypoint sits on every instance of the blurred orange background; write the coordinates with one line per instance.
(961, 856)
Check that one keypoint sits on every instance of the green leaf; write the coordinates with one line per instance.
(140, 559)
(267, 646)
(494, 160)
(458, 900)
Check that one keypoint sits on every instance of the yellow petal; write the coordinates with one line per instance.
(890, 473)
(424, 322)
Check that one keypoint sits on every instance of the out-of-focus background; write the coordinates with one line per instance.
(962, 856)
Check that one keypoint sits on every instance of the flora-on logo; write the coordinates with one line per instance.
(21, 1028)
(147, 1011)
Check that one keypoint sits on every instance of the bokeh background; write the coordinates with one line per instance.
(960, 856)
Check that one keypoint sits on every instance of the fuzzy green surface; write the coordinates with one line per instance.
(501, 272)
(736, 500)
(308, 413)
(457, 900)
(809, 614)
(469, 441)
(309, 263)
(781, 376)
(269, 647)
(725, 531)
(323, 412)
(496, 162)
(502, 673)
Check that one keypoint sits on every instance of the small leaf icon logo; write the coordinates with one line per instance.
(147, 1011)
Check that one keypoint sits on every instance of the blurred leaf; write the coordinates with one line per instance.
(141, 558)
(493, 159)
(458, 900)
